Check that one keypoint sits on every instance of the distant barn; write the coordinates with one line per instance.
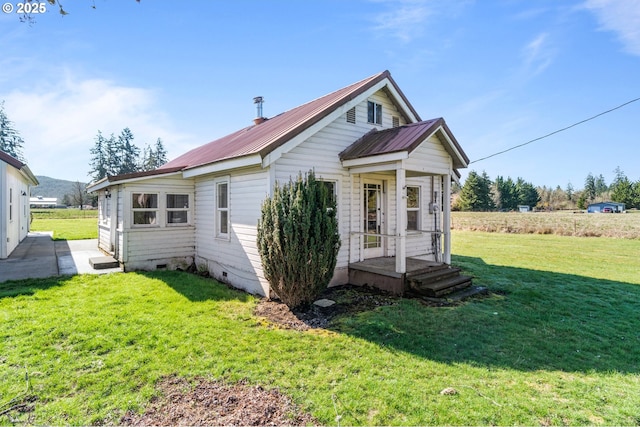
(605, 207)
(43, 202)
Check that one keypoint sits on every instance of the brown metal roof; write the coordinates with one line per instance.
(7, 158)
(267, 136)
(404, 138)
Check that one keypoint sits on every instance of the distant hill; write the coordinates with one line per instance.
(51, 187)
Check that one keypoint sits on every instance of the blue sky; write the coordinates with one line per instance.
(500, 73)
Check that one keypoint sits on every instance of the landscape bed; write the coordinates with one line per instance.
(555, 343)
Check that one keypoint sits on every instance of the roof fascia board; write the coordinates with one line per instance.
(224, 165)
(452, 147)
(372, 160)
(106, 183)
(399, 100)
(310, 131)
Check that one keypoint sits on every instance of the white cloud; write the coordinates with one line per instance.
(59, 123)
(620, 17)
(538, 54)
(404, 20)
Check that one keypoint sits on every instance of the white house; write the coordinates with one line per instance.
(16, 181)
(390, 170)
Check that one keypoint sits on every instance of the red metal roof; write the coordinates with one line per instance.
(274, 132)
(404, 138)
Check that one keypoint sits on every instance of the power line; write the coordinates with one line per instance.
(557, 131)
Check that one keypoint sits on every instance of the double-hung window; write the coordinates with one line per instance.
(374, 113)
(413, 208)
(222, 209)
(145, 209)
(177, 209)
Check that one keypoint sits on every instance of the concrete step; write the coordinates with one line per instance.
(103, 262)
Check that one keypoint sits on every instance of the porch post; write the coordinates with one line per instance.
(446, 216)
(401, 219)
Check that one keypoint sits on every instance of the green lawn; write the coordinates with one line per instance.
(67, 228)
(557, 344)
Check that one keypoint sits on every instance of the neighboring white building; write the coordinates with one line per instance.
(390, 171)
(16, 181)
(43, 202)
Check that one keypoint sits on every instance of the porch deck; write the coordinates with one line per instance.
(429, 278)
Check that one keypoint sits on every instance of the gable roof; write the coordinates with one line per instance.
(22, 167)
(265, 137)
(405, 138)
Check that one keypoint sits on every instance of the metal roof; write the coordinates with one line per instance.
(22, 167)
(403, 138)
(265, 137)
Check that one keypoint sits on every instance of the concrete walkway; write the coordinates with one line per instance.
(39, 256)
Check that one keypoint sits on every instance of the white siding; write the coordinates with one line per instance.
(233, 259)
(141, 248)
(430, 157)
(15, 215)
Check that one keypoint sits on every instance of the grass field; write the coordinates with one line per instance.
(66, 224)
(556, 344)
(625, 225)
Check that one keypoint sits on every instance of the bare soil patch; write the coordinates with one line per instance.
(214, 403)
(348, 299)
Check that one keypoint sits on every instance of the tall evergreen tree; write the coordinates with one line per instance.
(622, 189)
(476, 193)
(153, 157)
(601, 186)
(10, 140)
(527, 193)
(99, 158)
(590, 187)
(128, 152)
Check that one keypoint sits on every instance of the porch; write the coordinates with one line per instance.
(424, 277)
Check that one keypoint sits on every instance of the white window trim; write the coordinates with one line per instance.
(157, 209)
(416, 209)
(376, 106)
(338, 190)
(217, 233)
(168, 209)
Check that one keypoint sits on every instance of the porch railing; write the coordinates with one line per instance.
(436, 242)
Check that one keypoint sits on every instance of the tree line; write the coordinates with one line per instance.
(480, 193)
(118, 155)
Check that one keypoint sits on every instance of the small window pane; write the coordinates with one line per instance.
(177, 201)
(379, 114)
(142, 200)
(177, 217)
(224, 227)
(144, 217)
(222, 195)
(413, 197)
(412, 220)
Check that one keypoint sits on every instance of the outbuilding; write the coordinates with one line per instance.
(16, 181)
(606, 207)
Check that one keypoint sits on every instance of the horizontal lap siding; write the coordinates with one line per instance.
(146, 248)
(429, 157)
(238, 255)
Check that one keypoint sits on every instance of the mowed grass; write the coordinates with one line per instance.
(67, 229)
(66, 224)
(556, 344)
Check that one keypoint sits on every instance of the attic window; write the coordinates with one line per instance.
(374, 113)
(351, 115)
(395, 121)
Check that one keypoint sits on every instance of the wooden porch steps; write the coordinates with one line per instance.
(438, 282)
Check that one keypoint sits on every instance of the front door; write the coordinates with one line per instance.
(373, 215)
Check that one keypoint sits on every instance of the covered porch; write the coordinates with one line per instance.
(401, 191)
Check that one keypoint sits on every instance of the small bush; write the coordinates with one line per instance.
(298, 239)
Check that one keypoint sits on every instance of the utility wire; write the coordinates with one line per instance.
(556, 131)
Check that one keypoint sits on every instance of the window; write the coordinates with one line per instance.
(351, 115)
(145, 208)
(331, 189)
(178, 209)
(413, 208)
(374, 113)
(222, 209)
